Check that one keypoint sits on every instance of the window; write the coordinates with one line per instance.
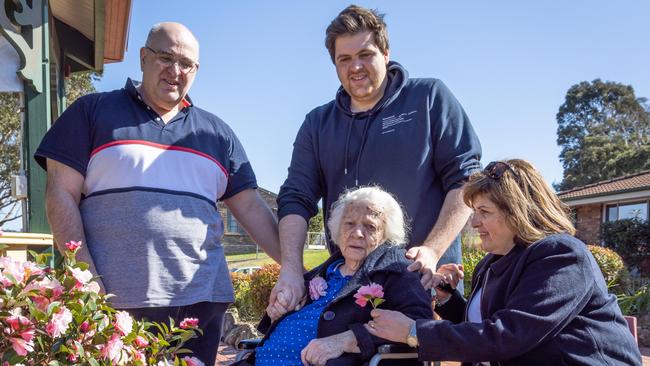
(233, 225)
(638, 210)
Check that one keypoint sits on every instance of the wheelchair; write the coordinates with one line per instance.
(385, 352)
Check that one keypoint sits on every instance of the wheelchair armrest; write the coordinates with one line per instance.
(396, 348)
(249, 343)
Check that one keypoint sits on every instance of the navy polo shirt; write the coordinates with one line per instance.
(149, 195)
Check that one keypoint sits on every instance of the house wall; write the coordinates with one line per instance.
(589, 218)
(236, 242)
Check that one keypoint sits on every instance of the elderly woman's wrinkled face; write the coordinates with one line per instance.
(362, 230)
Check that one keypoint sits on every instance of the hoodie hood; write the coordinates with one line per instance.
(397, 78)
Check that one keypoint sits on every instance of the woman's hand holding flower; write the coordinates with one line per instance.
(388, 324)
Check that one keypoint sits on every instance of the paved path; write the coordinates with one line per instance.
(227, 355)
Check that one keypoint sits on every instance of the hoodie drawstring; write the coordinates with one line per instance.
(347, 144)
(363, 143)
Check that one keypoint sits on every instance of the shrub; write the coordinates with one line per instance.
(630, 238)
(612, 267)
(471, 256)
(241, 282)
(57, 316)
(638, 303)
(261, 284)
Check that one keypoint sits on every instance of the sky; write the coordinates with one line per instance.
(264, 65)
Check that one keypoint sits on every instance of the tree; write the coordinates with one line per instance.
(10, 141)
(316, 222)
(604, 132)
(78, 85)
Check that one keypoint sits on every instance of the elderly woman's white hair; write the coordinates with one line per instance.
(395, 229)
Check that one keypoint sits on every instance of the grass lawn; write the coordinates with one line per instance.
(311, 258)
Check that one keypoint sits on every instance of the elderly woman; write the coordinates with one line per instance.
(368, 226)
(538, 297)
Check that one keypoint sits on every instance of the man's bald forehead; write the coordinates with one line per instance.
(170, 28)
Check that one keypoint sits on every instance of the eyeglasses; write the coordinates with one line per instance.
(166, 59)
(496, 169)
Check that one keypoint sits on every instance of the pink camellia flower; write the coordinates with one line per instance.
(49, 289)
(32, 269)
(84, 327)
(91, 286)
(317, 287)
(123, 322)
(72, 357)
(82, 277)
(73, 245)
(139, 356)
(17, 321)
(27, 334)
(41, 302)
(21, 346)
(189, 323)
(11, 268)
(59, 323)
(141, 342)
(112, 350)
(372, 292)
(193, 361)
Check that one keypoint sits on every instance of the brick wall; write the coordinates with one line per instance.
(235, 242)
(589, 218)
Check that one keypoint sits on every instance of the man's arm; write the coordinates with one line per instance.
(453, 216)
(257, 218)
(290, 287)
(62, 196)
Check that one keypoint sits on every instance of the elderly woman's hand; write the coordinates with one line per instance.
(320, 350)
(275, 310)
(451, 274)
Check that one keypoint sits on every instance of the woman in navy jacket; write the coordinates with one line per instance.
(538, 297)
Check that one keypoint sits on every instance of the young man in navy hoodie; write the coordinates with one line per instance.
(411, 136)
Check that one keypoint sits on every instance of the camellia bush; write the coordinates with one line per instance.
(262, 282)
(241, 283)
(57, 316)
(611, 265)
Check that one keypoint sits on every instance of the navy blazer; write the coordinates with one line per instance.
(545, 304)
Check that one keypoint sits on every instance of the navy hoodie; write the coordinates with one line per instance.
(417, 143)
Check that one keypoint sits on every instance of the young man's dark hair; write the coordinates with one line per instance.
(355, 19)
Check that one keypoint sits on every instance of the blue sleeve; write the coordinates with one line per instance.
(240, 171)
(69, 141)
(457, 150)
(302, 189)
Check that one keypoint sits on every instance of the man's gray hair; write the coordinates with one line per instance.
(395, 228)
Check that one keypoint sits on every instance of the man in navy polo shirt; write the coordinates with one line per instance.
(135, 173)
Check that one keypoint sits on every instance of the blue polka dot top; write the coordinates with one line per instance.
(294, 332)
